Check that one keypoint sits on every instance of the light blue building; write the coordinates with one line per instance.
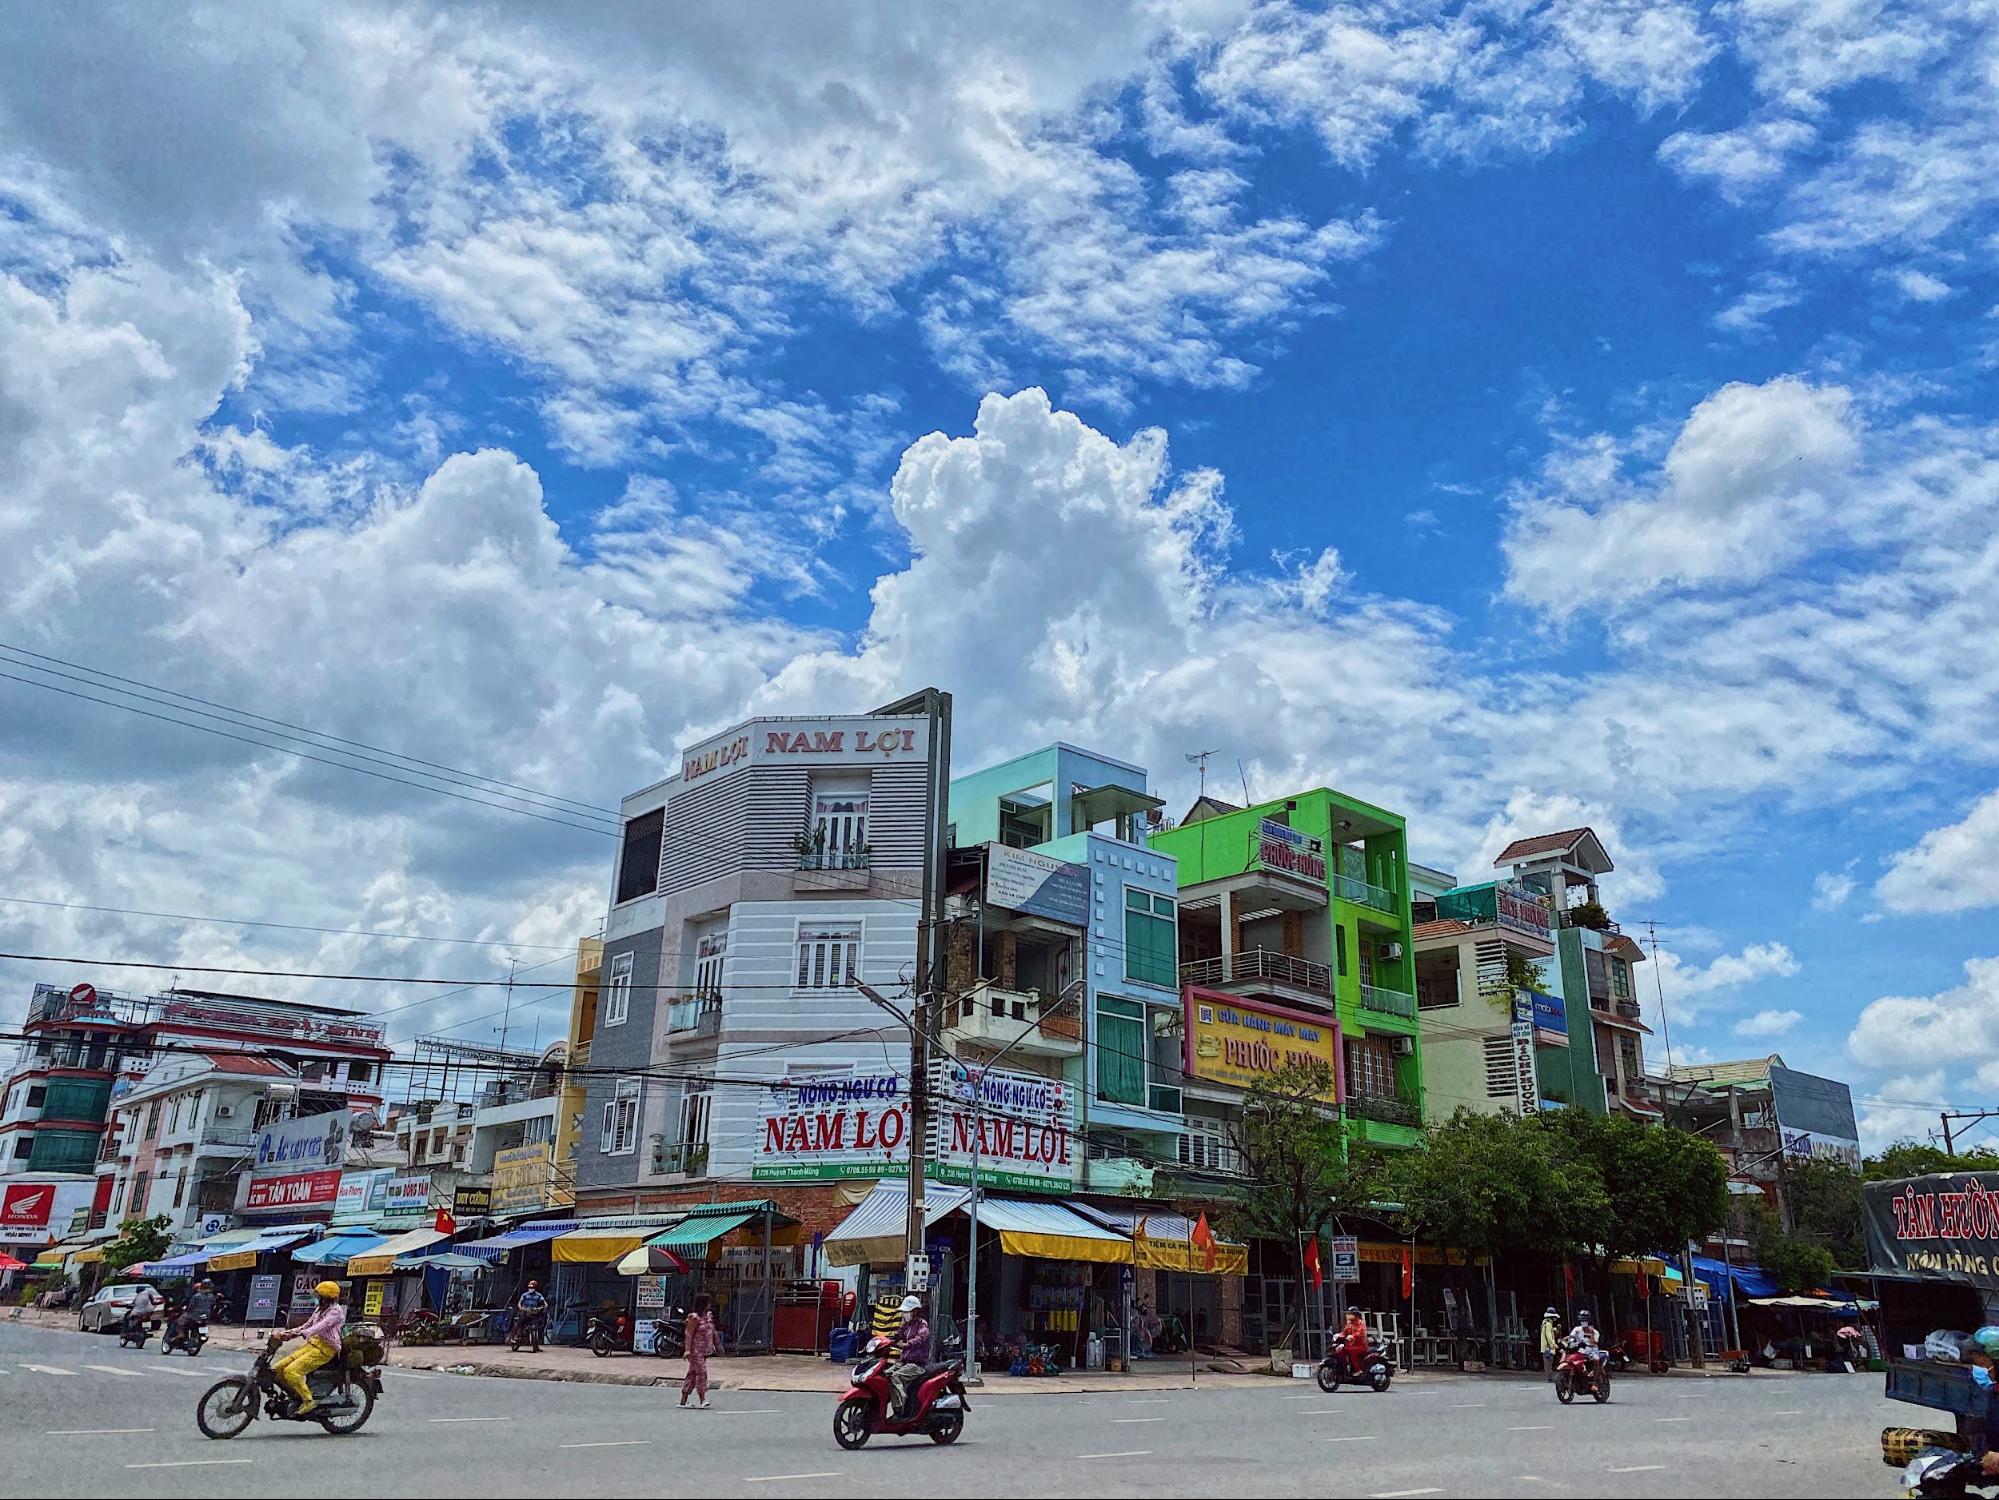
(1091, 810)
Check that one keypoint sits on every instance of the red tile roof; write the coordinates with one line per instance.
(1542, 843)
(245, 1063)
(1442, 927)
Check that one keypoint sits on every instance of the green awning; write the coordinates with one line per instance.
(701, 1230)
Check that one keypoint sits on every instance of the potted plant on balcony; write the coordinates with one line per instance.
(1589, 914)
(809, 844)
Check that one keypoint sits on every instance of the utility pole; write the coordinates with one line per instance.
(1976, 1116)
(935, 705)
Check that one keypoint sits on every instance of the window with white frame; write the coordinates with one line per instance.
(618, 997)
(694, 1114)
(829, 955)
(1207, 1147)
(711, 952)
(621, 1120)
(839, 833)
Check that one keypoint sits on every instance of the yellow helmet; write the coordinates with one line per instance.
(328, 1289)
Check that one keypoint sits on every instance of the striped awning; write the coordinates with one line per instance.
(1051, 1231)
(499, 1246)
(874, 1233)
(381, 1260)
(242, 1256)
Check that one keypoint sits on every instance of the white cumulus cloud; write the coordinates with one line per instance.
(1953, 868)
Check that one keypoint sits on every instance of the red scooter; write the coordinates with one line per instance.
(1576, 1373)
(937, 1404)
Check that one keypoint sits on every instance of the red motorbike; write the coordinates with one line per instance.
(937, 1403)
(1576, 1373)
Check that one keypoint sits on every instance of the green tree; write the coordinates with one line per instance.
(1917, 1159)
(1662, 1187)
(1303, 1169)
(1824, 1201)
(1487, 1184)
(1794, 1264)
(138, 1239)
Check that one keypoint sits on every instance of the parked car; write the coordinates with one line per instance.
(107, 1307)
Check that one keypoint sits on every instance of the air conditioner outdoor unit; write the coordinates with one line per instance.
(1405, 1046)
(1391, 951)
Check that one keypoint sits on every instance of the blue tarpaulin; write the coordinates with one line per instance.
(336, 1248)
(1750, 1280)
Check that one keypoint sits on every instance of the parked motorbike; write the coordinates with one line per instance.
(1375, 1369)
(604, 1334)
(1576, 1373)
(937, 1404)
(669, 1339)
(185, 1338)
(528, 1329)
(133, 1332)
(346, 1390)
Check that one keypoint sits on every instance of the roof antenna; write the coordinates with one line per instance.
(1246, 798)
(1200, 758)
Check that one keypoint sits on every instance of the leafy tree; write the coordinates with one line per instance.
(1662, 1187)
(138, 1239)
(1917, 1159)
(1303, 1169)
(1487, 1184)
(1824, 1202)
(1794, 1264)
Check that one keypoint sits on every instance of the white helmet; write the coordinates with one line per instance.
(911, 1303)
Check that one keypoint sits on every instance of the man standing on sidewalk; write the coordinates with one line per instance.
(1551, 1339)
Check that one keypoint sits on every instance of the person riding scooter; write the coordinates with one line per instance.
(913, 1339)
(321, 1335)
(145, 1302)
(1353, 1342)
(197, 1309)
(531, 1308)
(1585, 1337)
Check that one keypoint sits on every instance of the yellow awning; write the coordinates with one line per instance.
(1651, 1265)
(233, 1260)
(1065, 1247)
(1181, 1255)
(381, 1260)
(1053, 1231)
(597, 1247)
(88, 1257)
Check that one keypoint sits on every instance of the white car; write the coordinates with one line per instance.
(106, 1309)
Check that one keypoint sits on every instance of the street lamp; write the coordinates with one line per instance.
(972, 1208)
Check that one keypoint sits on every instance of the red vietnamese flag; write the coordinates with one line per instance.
(1312, 1263)
(1204, 1239)
(1408, 1274)
(445, 1224)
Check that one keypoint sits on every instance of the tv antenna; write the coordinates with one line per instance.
(1200, 758)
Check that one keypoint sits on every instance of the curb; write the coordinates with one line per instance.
(524, 1372)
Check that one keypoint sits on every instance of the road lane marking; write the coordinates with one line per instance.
(1787, 1414)
(746, 1411)
(1133, 1421)
(774, 1478)
(1537, 1429)
(113, 1370)
(1151, 1401)
(1672, 1419)
(95, 1431)
(1368, 1439)
(615, 1443)
(1401, 1494)
(1128, 1453)
(1467, 1406)
(1690, 1395)
(1639, 1469)
(48, 1369)
(190, 1463)
(1298, 1398)
(471, 1419)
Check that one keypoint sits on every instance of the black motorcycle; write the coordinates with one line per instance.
(669, 1338)
(1375, 1371)
(134, 1331)
(528, 1328)
(606, 1333)
(346, 1389)
(185, 1338)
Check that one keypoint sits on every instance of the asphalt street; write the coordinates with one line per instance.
(80, 1416)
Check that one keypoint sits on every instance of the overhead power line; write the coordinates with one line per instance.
(175, 916)
(318, 734)
(340, 765)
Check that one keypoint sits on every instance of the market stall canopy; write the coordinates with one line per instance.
(173, 1265)
(381, 1260)
(1648, 1265)
(1844, 1305)
(499, 1246)
(652, 1260)
(446, 1260)
(1052, 1231)
(8, 1263)
(1165, 1241)
(1750, 1281)
(875, 1231)
(597, 1246)
(244, 1255)
(90, 1255)
(708, 1222)
(337, 1248)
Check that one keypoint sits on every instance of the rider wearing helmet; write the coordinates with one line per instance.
(1981, 1352)
(196, 1310)
(1585, 1337)
(914, 1341)
(321, 1333)
(1353, 1340)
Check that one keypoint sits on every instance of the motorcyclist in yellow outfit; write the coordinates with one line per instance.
(321, 1333)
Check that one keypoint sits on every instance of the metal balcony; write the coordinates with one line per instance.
(1383, 1109)
(1353, 888)
(1259, 965)
(701, 1014)
(1387, 1002)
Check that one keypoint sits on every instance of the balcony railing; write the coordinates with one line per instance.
(1023, 1020)
(702, 1013)
(834, 859)
(681, 1157)
(1259, 964)
(1387, 1002)
(1383, 1110)
(1353, 888)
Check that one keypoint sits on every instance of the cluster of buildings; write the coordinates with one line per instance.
(735, 1082)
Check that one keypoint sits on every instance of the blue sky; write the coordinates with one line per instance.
(1518, 414)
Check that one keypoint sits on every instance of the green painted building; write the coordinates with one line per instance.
(1300, 907)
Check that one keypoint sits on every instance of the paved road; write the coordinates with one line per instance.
(79, 1416)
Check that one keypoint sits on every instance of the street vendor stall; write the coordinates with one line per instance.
(1933, 1261)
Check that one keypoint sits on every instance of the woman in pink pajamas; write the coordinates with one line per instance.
(702, 1341)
